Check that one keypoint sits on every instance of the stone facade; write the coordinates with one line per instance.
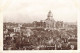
(59, 24)
(49, 23)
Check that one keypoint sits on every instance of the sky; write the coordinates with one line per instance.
(35, 10)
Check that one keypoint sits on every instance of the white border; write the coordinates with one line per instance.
(39, 51)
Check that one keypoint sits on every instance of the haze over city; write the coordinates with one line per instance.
(39, 25)
(26, 11)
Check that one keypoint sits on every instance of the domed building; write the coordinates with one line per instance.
(50, 22)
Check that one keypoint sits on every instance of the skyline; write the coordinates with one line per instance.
(26, 11)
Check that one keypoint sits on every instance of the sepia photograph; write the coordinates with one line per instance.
(40, 25)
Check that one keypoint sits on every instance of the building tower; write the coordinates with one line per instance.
(50, 16)
(50, 22)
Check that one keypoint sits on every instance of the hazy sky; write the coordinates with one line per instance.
(35, 10)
